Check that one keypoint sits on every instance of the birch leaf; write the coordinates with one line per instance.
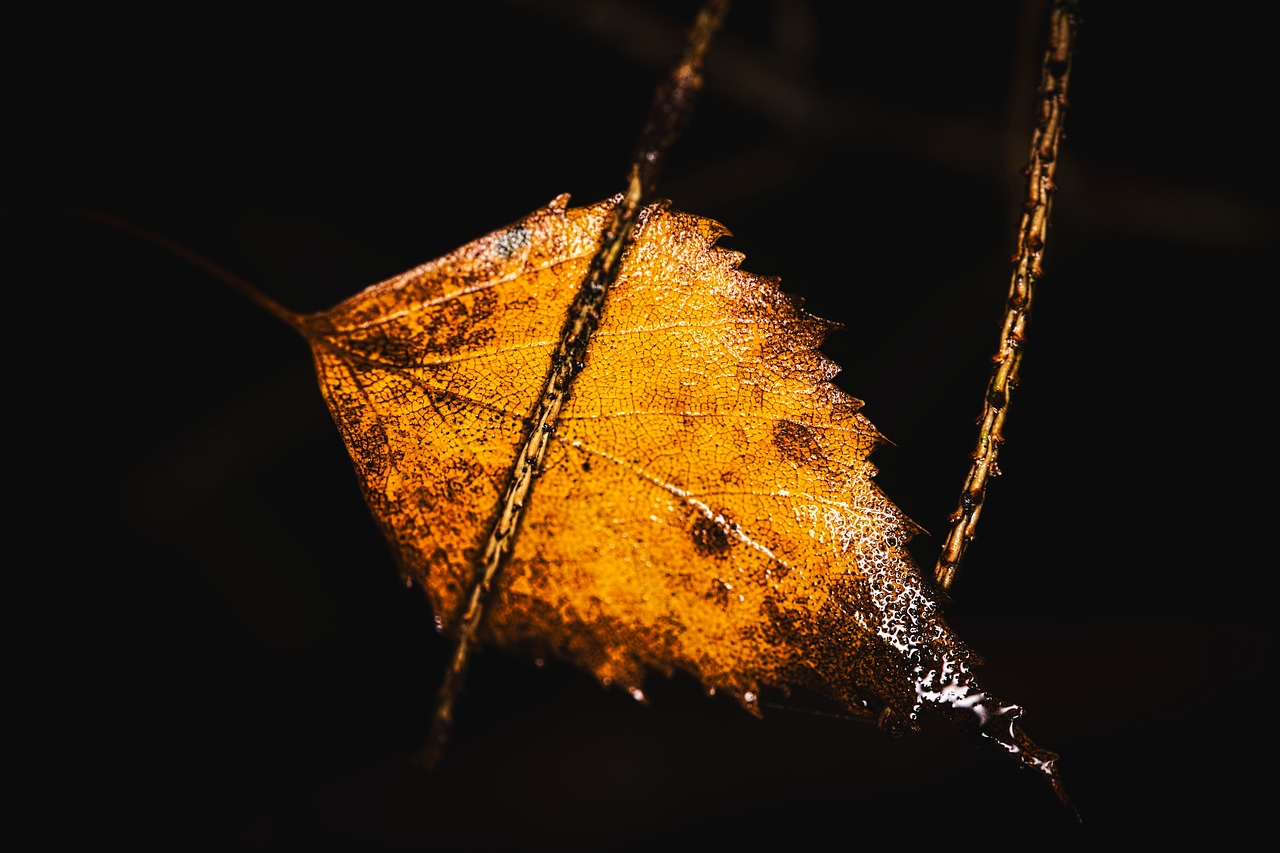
(706, 503)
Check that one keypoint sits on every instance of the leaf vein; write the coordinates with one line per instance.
(737, 530)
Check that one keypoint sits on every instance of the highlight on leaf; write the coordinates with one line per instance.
(705, 503)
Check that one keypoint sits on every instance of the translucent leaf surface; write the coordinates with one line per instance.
(706, 504)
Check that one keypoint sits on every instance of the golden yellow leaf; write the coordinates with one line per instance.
(705, 503)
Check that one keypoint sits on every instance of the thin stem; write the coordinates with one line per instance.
(1032, 232)
(669, 111)
(275, 309)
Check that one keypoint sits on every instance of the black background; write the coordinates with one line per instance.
(220, 652)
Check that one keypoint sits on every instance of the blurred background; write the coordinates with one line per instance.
(225, 656)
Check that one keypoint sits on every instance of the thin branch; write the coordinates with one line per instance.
(1032, 231)
(1144, 206)
(669, 112)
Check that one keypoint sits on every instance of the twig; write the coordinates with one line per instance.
(1032, 231)
(669, 111)
(1159, 206)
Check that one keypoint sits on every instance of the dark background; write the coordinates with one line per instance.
(217, 650)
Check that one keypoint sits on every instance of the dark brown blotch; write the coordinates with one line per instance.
(797, 442)
(721, 593)
(461, 325)
(711, 536)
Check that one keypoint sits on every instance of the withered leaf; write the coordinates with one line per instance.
(706, 504)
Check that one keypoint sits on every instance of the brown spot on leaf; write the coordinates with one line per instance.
(720, 592)
(797, 442)
(711, 536)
